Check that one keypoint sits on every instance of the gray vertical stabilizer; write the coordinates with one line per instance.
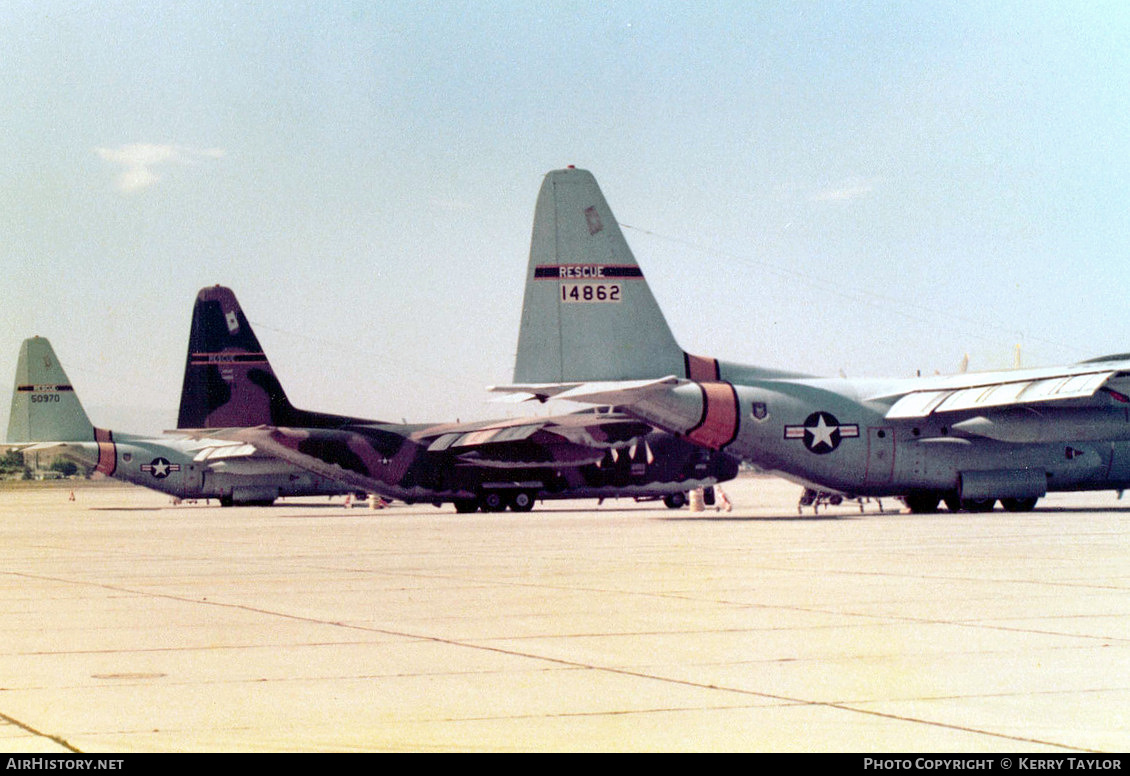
(588, 313)
(45, 407)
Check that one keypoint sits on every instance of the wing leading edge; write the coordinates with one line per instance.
(964, 393)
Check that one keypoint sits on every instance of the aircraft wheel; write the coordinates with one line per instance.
(979, 504)
(493, 501)
(466, 505)
(1019, 504)
(675, 500)
(226, 501)
(922, 503)
(522, 501)
(953, 503)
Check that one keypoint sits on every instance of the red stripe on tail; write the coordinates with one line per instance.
(107, 452)
(701, 369)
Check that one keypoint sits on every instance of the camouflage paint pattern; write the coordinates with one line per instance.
(229, 384)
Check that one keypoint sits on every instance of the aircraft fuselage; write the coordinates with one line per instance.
(177, 468)
(826, 434)
(385, 460)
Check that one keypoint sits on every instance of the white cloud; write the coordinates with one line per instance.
(143, 161)
(847, 190)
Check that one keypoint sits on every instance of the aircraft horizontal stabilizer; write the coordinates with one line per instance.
(529, 391)
(622, 392)
(84, 453)
(218, 435)
(517, 397)
(36, 447)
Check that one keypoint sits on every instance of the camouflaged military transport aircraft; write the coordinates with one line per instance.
(231, 392)
(47, 416)
(592, 332)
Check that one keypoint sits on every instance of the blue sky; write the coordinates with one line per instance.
(872, 188)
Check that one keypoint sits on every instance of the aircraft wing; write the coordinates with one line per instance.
(598, 429)
(572, 439)
(990, 390)
(379, 457)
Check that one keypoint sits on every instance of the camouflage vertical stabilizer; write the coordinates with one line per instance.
(45, 407)
(588, 313)
(228, 381)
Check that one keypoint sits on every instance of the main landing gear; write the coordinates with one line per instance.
(927, 503)
(497, 501)
(228, 501)
(675, 500)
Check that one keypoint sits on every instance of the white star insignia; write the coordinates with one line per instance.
(822, 432)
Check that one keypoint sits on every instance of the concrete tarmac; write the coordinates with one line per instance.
(132, 624)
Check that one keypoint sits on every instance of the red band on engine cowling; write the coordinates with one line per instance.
(719, 424)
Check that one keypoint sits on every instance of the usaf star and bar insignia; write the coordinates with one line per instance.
(160, 467)
(822, 433)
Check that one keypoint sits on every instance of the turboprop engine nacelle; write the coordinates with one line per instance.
(704, 412)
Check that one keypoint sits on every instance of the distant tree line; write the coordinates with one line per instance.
(13, 466)
(65, 468)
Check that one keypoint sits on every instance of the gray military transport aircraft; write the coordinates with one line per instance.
(47, 416)
(231, 392)
(592, 332)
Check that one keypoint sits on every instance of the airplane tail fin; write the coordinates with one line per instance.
(588, 313)
(45, 407)
(228, 381)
